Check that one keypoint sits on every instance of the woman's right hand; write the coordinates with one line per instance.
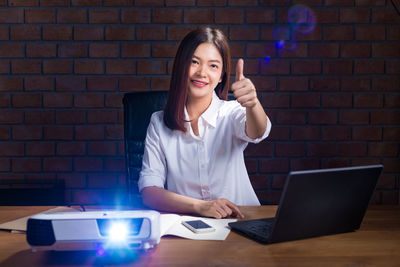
(219, 208)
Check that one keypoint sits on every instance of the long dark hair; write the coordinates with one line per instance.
(174, 116)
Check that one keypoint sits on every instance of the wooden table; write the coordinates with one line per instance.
(377, 243)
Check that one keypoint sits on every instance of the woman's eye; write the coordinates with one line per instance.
(214, 66)
(195, 62)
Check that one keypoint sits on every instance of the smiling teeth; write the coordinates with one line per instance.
(200, 82)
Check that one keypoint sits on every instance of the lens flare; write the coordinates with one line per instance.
(301, 19)
(118, 231)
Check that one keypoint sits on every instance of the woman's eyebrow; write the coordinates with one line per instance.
(211, 60)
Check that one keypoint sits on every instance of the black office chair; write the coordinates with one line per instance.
(138, 107)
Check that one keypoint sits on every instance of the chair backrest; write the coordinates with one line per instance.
(138, 107)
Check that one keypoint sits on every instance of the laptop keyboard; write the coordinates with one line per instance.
(262, 227)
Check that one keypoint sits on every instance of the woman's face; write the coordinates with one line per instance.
(205, 71)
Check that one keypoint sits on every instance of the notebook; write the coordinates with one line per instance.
(316, 203)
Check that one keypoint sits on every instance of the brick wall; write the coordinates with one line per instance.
(332, 95)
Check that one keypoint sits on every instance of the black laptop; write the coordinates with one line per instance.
(316, 203)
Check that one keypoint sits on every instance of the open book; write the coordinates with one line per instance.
(171, 224)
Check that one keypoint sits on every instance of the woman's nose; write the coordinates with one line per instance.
(201, 70)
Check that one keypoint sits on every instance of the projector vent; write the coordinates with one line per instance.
(40, 233)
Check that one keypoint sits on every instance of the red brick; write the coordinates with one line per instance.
(116, 33)
(307, 100)
(333, 33)
(26, 100)
(391, 164)
(179, 32)
(133, 16)
(73, 180)
(308, 2)
(274, 165)
(289, 149)
(150, 33)
(72, 50)
(120, 67)
(383, 149)
(101, 83)
(370, 2)
(151, 67)
(55, 100)
(263, 149)
(306, 67)
(71, 149)
(393, 66)
(368, 100)
(103, 16)
(4, 101)
(102, 149)
(336, 163)
(260, 16)
(164, 50)
(324, 50)
(88, 101)
(57, 164)
(133, 84)
(11, 148)
(291, 117)
(367, 133)
(71, 15)
(27, 133)
(370, 33)
(58, 132)
(393, 33)
(211, 2)
(88, 164)
(337, 67)
(386, 181)
(57, 33)
(70, 83)
(229, 16)
(386, 16)
(135, 50)
(385, 117)
(275, 66)
(352, 149)
(159, 83)
(5, 165)
(101, 117)
(299, 50)
(86, 2)
(391, 133)
(39, 15)
(198, 16)
(57, 66)
(4, 33)
(106, 50)
(25, 66)
(279, 132)
(263, 83)
(251, 165)
(23, 2)
(386, 50)
(166, 16)
(324, 16)
(89, 67)
(26, 165)
(24, 32)
(89, 133)
(113, 101)
(386, 83)
(11, 50)
(323, 117)
(356, 84)
(354, 117)
(392, 101)
(365, 66)
(54, 2)
(12, 15)
(305, 133)
(10, 84)
(301, 164)
(293, 84)
(179, 2)
(39, 117)
(88, 33)
(149, 3)
(351, 50)
(244, 33)
(275, 100)
(117, 2)
(40, 149)
(114, 132)
(40, 50)
(339, 3)
(324, 83)
(338, 100)
(323, 149)
(102, 180)
(259, 182)
(70, 116)
(355, 15)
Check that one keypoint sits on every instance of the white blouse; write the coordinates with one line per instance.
(208, 166)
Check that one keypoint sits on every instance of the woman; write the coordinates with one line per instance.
(194, 148)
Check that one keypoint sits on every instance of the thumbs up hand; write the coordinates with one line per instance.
(243, 89)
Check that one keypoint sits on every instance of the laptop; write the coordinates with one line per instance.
(316, 203)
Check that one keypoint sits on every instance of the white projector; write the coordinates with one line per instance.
(94, 230)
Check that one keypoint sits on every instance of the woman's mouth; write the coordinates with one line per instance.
(199, 83)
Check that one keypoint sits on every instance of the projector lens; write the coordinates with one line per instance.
(119, 229)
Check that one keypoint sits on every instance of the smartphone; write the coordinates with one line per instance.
(198, 226)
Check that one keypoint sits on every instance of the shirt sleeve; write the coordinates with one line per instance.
(153, 171)
(239, 121)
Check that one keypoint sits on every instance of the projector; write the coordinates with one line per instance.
(94, 230)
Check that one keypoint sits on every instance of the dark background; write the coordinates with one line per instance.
(333, 96)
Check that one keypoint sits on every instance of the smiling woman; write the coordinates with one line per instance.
(193, 160)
